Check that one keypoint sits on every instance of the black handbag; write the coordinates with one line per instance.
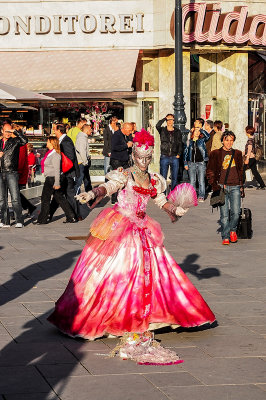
(218, 197)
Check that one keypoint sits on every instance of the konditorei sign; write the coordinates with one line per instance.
(124, 24)
(70, 24)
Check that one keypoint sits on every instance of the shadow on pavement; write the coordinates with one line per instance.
(189, 266)
(25, 279)
(38, 360)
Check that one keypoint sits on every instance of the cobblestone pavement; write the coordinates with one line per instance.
(227, 362)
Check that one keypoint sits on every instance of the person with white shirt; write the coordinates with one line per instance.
(68, 179)
(51, 169)
(107, 138)
(84, 158)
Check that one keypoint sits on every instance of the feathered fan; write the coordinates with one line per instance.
(183, 195)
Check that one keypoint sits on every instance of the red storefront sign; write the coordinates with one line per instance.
(208, 25)
(208, 108)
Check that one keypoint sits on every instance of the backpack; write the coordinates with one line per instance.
(258, 152)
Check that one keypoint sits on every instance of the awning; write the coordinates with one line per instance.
(8, 92)
(70, 71)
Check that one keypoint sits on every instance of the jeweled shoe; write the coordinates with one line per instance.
(233, 237)
(226, 242)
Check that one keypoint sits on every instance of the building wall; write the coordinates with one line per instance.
(167, 83)
(224, 86)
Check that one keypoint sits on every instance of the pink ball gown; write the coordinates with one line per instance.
(125, 280)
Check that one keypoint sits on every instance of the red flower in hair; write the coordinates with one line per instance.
(143, 137)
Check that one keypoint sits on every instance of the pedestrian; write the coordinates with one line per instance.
(171, 148)
(208, 126)
(52, 187)
(231, 181)
(249, 158)
(32, 161)
(125, 280)
(73, 132)
(69, 178)
(216, 140)
(195, 157)
(134, 129)
(119, 150)
(23, 171)
(119, 147)
(84, 158)
(107, 137)
(9, 158)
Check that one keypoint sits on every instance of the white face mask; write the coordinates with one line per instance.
(142, 162)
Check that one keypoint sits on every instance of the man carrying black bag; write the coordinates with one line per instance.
(225, 175)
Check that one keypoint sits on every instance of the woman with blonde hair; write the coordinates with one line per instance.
(51, 170)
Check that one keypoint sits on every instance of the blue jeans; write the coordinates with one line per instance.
(9, 181)
(195, 170)
(106, 165)
(173, 162)
(229, 217)
(83, 177)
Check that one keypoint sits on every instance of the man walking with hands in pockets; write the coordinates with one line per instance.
(9, 156)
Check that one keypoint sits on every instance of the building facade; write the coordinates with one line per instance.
(99, 56)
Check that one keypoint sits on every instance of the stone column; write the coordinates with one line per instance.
(167, 83)
(132, 113)
(224, 85)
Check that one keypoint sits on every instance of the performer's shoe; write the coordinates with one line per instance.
(233, 237)
(226, 242)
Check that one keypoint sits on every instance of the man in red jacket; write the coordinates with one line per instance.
(216, 173)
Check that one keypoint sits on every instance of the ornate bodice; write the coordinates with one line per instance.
(133, 199)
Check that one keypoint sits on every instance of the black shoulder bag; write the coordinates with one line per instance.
(218, 197)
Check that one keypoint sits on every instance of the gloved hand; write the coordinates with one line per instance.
(85, 197)
(180, 211)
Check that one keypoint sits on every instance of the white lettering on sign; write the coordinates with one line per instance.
(106, 23)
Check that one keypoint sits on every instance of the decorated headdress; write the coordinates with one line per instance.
(143, 143)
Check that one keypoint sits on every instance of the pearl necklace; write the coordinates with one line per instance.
(141, 175)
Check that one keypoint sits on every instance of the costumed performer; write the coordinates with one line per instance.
(125, 280)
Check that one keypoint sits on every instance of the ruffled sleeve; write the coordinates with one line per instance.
(160, 186)
(117, 179)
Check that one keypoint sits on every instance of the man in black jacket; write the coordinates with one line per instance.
(119, 149)
(68, 178)
(9, 155)
(107, 138)
(120, 146)
(171, 148)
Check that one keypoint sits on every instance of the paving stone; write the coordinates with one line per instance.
(100, 364)
(223, 392)
(244, 346)
(38, 307)
(126, 387)
(22, 380)
(16, 310)
(22, 354)
(260, 329)
(222, 371)
(248, 309)
(255, 320)
(61, 371)
(171, 379)
(262, 386)
(32, 396)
